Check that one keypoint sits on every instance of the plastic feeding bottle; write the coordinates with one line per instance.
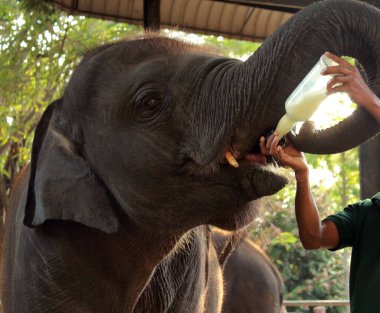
(307, 96)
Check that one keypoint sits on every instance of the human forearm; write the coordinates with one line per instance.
(313, 234)
(307, 215)
(306, 211)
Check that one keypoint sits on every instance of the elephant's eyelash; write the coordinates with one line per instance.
(147, 92)
(145, 97)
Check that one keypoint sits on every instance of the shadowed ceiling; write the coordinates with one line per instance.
(245, 19)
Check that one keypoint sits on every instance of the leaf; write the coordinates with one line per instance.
(285, 238)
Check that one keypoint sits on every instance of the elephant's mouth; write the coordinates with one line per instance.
(236, 152)
(233, 158)
(242, 146)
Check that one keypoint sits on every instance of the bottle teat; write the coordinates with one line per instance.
(285, 125)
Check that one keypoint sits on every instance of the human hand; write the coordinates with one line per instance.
(287, 156)
(349, 80)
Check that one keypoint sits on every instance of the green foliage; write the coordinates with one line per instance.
(311, 275)
(232, 47)
(229, 47)
(39, 50)
(45, 7)
(285, 239)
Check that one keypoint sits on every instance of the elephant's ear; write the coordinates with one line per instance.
(61, 185)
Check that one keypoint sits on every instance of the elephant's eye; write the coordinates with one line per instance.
(149, 107)
(149, 99)
(152, 103)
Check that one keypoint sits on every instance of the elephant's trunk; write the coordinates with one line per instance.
(343, 27)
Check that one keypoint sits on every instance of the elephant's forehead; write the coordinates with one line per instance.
(169, 65)
(154, 58)
(135, 51)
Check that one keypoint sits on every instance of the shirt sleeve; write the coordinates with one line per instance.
(346, 222)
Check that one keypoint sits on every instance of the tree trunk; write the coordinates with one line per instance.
(369, 168)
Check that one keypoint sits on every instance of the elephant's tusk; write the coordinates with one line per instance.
(231, 159)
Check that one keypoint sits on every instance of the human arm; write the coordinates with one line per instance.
(313, 233)
(349, 80)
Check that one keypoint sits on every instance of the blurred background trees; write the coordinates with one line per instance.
(39, 50)
(38, 53)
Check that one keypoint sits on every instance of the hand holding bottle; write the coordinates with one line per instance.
(348, 79)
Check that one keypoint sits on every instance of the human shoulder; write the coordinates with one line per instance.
(352, 219)
(368, 203)
(376, 196)
(361, 209)
(376, 199)
(352, 215)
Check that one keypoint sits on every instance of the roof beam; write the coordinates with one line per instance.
(152, 15)
(289, 6)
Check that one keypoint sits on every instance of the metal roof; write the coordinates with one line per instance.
(242, 19)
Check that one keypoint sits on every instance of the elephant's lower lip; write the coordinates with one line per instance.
(256, 158)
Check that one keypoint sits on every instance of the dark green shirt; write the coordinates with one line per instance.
(359, 227)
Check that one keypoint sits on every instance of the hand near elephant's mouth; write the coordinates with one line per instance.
(234, 155)
(253, 158)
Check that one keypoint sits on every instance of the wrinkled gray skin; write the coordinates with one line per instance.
(252, 283)
(127, 167)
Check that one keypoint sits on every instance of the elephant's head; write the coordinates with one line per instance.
(140, 133)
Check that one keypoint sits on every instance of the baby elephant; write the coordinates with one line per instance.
(112, 214)
(252, 283)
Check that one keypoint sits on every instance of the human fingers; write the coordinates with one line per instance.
(273, 147)
(293, 158)
(269, 140)
(263, 148)
(283, 158)
(282, 155)
(337, 59)
(292, 151)
(338, 70)
(338, 81)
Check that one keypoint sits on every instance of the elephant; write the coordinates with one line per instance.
(128, 167)
(252, 282)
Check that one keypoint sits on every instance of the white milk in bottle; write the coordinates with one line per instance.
(307, 96)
